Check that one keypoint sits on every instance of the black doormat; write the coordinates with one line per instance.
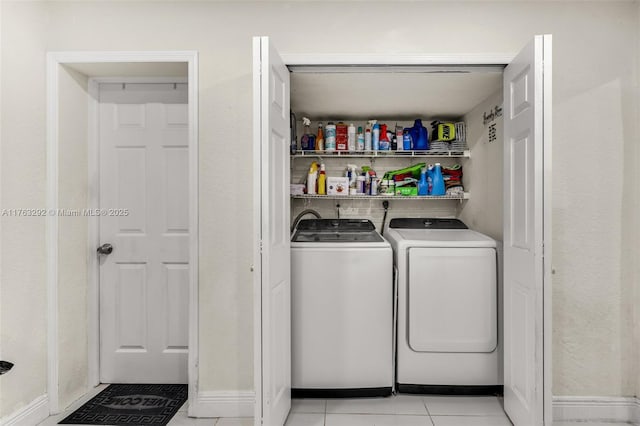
(131, 405)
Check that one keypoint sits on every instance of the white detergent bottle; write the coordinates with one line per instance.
(312, 179)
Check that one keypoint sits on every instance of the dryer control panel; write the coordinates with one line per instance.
(426, 223)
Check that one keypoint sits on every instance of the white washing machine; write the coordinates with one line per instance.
(341, 309)
(447, 308)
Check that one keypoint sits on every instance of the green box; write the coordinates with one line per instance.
(409, 191)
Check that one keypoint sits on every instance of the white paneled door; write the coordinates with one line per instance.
(271, 130)
(527, 143)
(144, 280)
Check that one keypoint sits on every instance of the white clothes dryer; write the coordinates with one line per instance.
(447, 307)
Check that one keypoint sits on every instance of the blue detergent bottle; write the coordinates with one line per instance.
(419, 136)
(423, 186)
(437, 181)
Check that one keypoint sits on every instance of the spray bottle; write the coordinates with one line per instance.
(384, 143)
(307, 141)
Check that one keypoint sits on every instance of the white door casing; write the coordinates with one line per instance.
(271, 148)
(538, 412)
(144, 187)
(527, 139)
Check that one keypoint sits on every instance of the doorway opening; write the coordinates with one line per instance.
(75, 196)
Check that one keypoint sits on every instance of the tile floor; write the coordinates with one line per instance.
(400, 410)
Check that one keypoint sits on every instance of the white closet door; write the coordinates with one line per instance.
(527, 139)
(271, 122)
(144, 282)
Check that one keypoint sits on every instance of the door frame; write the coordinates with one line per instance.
(318, 61)
(54, 61)
(93, 153)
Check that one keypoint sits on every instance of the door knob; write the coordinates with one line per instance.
(105, 249)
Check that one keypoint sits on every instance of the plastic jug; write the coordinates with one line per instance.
(423, 186)
(437, 181)
(419, 136)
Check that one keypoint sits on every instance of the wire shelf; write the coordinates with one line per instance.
(464, 153)
(464, 196)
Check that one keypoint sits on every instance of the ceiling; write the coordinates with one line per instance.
(391, 94)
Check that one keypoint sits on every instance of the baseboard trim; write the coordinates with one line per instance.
(596, 408)
(32, 414)
(223, 404)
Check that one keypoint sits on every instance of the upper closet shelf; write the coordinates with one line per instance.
(384, 154)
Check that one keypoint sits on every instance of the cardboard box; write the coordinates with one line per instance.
(296, 188)
(337, 185)
(341, 137)
(408, 191)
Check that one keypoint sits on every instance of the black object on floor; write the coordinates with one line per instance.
(496, 390)
(126, 404)
(5, 366)
(341, 393)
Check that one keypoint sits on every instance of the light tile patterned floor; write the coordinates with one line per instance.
(400, 410)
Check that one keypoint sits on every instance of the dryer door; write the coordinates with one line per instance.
(452, 300)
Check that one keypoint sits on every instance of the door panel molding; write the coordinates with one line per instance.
(54, 61)
(134, 316)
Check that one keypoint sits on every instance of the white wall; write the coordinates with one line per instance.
(634, 256)
(72, 242)
(594, 74)
(482, 174)
(24, 299)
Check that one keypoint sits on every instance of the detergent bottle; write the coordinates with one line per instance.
(437, 181)
(375, 137)
(406, 140)
(312, 179)
(322, 181)
(423, 186)
(419, 136)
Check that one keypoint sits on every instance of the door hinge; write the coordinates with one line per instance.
(260, 246)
